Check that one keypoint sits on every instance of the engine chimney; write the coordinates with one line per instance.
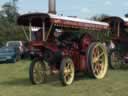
(52, 6)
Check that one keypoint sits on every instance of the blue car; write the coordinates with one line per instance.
(8, 54)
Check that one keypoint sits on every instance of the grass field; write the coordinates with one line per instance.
(14, 82)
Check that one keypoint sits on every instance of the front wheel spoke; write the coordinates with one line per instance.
(71, 71)
(65, 72)
(39, 65)
(65, 76)
(38, 74)
(42, 73)
(68, 77)
(35, 70)
(68, 65)
(37, 77)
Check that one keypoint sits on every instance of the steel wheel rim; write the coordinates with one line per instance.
(99, 61)
(68, 72)
(38, 72)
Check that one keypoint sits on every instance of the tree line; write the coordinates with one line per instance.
(9, 30)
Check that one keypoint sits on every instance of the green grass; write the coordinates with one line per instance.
(14, 82)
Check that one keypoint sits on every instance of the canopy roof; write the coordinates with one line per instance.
(36, 20)
(119, 19)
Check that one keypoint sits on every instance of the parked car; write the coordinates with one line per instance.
(8, 54)
(18, 45)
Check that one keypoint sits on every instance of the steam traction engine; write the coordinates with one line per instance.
(118, 42)
(64, 45)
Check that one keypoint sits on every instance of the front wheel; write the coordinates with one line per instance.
(97, 60)
(115, 59)
(38, 71)
(67, 71)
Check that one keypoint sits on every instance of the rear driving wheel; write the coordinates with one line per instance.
(67, 71)
(97, 60)
(38, 72)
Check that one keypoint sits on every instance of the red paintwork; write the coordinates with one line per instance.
(78, 59)
(86, 41)
(78, 50)
(126, 24)
(48, 45)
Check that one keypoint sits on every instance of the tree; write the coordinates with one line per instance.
(10, 11)
(9, 30)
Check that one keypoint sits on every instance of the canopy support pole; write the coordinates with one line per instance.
(118, 30)
(30, 33)
(27, 37)
(43, 30)
(49, 31)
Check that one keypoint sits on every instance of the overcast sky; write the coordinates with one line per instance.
(80, 8)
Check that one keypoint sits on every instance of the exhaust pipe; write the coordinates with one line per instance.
(52, 6)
